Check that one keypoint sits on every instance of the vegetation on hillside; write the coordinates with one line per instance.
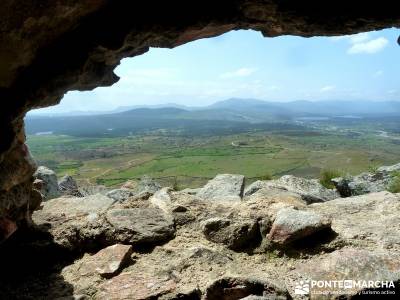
(266, 176)
(326, 177)
(394, 185)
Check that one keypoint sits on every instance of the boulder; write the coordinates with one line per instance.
(367, 182)
(120, 195)
(162, 199)
(88, 190)
(91, 222)
(206, 255)
(366, 220)
(138, 226)
(136, 201)
(49, 185)
(237, 235)
(388, 169)
(77, 207)
(350, 265)
(266, 202)
(134, 287)
(108, 261)
(68, 186)
(147, 184)
(74, 222)
(292, 224)
(224, 187)
(309, 189)
(36, 196)
(363, 183)
(258, 185)
(235, 288)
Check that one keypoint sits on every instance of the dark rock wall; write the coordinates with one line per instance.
(49, 47)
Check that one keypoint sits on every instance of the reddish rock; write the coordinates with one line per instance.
(108, 261)
(129, 286)
(38, 184)
(7, 228)
(292, 224)
(130, 184)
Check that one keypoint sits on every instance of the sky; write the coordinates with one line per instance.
(244, 64)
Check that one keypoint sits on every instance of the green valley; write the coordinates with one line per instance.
(191, 161)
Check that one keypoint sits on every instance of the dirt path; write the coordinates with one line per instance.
(129, 164)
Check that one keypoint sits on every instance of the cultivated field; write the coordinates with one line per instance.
(190, 161)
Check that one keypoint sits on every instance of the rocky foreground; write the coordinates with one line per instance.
(222, 241)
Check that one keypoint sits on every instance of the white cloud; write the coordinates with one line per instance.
(368, 47)
(327, 88)
(242, 72)
(392, 92)
(362, 43)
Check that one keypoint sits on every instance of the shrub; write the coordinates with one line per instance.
(175, 185)
(266, 177)
(326, 176)
(394, 185)
(373, 169)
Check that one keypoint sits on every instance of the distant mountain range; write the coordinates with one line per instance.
(231, 112)
(103, 112)
(320, 108)
(298, 107)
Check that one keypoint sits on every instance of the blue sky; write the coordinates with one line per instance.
(244, 64)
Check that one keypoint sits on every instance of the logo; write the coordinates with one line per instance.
(322, 287)
(302, 287)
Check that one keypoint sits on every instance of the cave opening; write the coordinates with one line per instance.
(82, 249)
(228, 104)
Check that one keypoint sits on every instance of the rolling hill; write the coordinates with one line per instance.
(229, 115)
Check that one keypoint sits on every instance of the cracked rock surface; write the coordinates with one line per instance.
(181, 246)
